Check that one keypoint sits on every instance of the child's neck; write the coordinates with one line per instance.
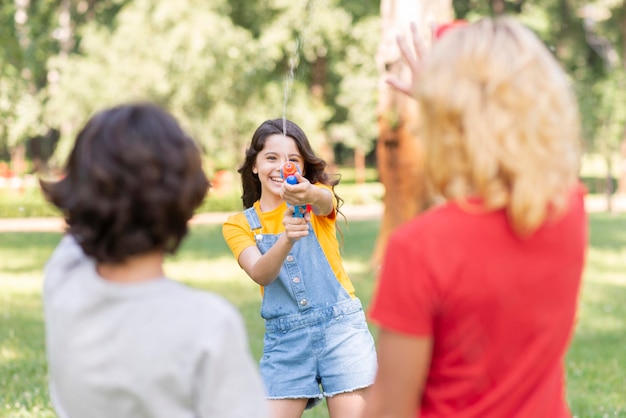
(138, 268)
(269, 204)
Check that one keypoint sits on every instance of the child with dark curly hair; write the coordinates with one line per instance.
(122, 339)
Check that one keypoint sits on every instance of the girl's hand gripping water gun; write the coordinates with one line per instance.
(287, 172)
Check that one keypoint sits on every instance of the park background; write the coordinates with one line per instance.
(222, 67)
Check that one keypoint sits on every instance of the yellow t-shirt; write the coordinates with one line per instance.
(238, 236)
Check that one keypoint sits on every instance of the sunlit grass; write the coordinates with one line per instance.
(596, 362)
(219, 270)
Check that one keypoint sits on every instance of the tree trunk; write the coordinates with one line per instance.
(398, 152)
(498, 7)
(608, 183)
(18, 165)
(66, 39)
(319, 72)
(621, 181)
(23, 31)
(623, 30)
(359, 166)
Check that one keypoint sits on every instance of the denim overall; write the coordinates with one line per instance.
(315, 333)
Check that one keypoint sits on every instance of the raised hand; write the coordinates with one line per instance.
(413, 57)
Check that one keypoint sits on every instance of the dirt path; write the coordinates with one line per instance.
(353, 213)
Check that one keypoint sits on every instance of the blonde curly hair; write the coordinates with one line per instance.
(499, 122)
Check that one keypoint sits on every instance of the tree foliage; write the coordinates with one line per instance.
(222, 67)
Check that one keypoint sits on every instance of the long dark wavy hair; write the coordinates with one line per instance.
(314, 167)
(132, 181)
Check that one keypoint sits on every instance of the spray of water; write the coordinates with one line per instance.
(294, 60)
(288, 83)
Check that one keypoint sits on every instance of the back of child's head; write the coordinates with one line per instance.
(500, 121)
(314, 167)
(132, 181)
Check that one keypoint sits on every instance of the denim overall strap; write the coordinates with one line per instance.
(252, 218)
(306, 280)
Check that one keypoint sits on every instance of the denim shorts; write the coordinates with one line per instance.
(323, 352)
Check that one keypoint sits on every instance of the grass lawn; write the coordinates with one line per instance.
(29, 202)
(596, 363)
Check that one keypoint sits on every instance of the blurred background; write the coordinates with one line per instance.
(224, 66)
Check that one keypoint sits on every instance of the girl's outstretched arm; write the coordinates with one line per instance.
(305, 193)
(264, 268)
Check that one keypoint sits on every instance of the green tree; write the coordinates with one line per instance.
(588, 38)
(185, 56)
(221, 79)
(31, 32)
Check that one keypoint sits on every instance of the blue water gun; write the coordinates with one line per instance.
(287, 172)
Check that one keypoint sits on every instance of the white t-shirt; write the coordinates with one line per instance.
(150, 349)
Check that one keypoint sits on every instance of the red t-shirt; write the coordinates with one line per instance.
(500, 308)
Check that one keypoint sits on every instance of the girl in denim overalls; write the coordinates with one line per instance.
(317, 343)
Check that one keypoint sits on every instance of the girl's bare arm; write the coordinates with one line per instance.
(403, 363)
(264, 268)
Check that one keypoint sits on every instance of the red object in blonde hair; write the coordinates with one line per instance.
(444, 27)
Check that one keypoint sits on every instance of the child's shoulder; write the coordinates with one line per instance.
(238, 218)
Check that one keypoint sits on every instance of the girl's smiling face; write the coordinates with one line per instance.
(277, 150)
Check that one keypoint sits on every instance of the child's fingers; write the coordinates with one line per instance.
(399, 85)
(412, 55)
(289, 212)
(297, 194)
(406, 52)
(301, 178)
(295, 228)
(418, 45)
